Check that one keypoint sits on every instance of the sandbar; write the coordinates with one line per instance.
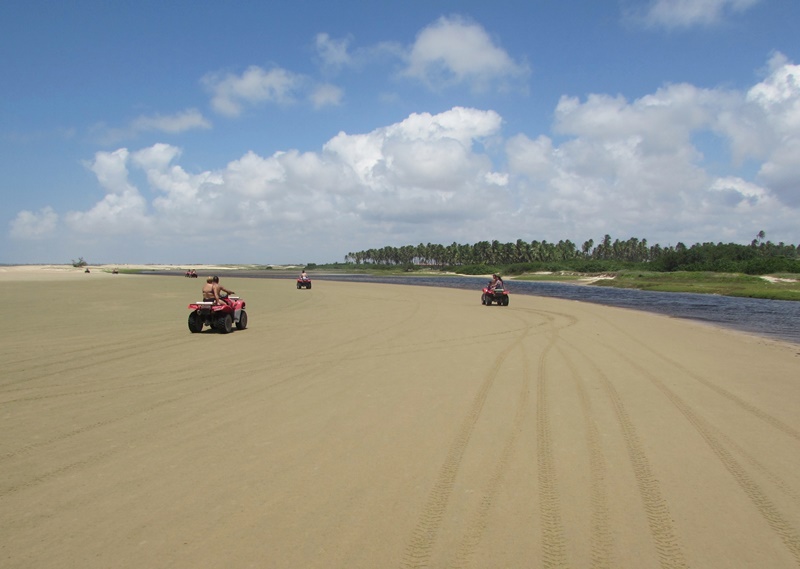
(378, 425)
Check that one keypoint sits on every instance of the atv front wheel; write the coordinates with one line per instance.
(242, 323)
(195, 323)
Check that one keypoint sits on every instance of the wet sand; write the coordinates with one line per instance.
(373, 426)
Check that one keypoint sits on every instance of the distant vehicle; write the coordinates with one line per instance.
(497, 294)
(303, 282)
(220, 317)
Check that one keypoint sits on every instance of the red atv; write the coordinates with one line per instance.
(497, 294)
(221, 317)
(303, 282)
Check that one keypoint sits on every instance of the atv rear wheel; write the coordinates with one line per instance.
(224, 324)
(242, 323)
(195, 322)
(505, 301)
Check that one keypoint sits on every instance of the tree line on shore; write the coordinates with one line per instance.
(759, 257)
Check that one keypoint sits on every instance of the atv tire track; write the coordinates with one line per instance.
(554, 553)
(749, 407)
(472, 536)
(602, 541)
(419, 549)
(768, 510)
(655, 505)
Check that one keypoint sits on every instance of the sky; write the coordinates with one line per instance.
(298, 132)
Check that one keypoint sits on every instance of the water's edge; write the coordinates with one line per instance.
(775, 319)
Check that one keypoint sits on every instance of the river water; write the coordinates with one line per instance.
(778, 319)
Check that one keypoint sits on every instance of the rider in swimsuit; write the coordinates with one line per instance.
(210, 293)
(219, 289)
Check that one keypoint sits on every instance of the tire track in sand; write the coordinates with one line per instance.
(601, 539)
(418, 550)
(554, 552)
(474, 532)
(659, 519)
(747, 406)
(766, 507)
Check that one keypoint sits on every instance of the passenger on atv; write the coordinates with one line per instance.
(210, 293)
(220, 292)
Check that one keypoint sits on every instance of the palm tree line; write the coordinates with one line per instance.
(632, 250)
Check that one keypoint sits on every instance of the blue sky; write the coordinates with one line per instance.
(254, 132)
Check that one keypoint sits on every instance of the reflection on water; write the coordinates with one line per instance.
(778, 319)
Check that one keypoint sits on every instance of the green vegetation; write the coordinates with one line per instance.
(758, 258)
(79, 263)
(726, 284)
(715, 268)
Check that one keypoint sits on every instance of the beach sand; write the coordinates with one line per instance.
(376, 426)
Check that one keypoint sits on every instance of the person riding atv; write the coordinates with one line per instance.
(495, 291)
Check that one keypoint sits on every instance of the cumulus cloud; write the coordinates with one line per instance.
(230, 92)
(688, 13)
(610, 165)
(401, 176)
(123, 209)
(454, 51)
(30, 225)
(634, 162)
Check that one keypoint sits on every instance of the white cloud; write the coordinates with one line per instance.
(611, 165)
(633, 164)
(332, 52)
(688, 13)
(453, 51)
(177, 123)
(34, 225)
(112, 171)
(123, 211)
(230, 92)
(326, 95)
(404, 175)
(180, 122)
(765, 125)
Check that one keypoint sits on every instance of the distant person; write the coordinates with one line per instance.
(304, 275)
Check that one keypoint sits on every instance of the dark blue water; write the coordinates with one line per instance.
(779, 319)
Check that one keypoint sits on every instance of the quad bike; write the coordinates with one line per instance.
(221, 317)
(303, 282)
(497, 294)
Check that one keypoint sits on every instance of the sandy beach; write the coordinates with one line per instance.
(376, 426)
